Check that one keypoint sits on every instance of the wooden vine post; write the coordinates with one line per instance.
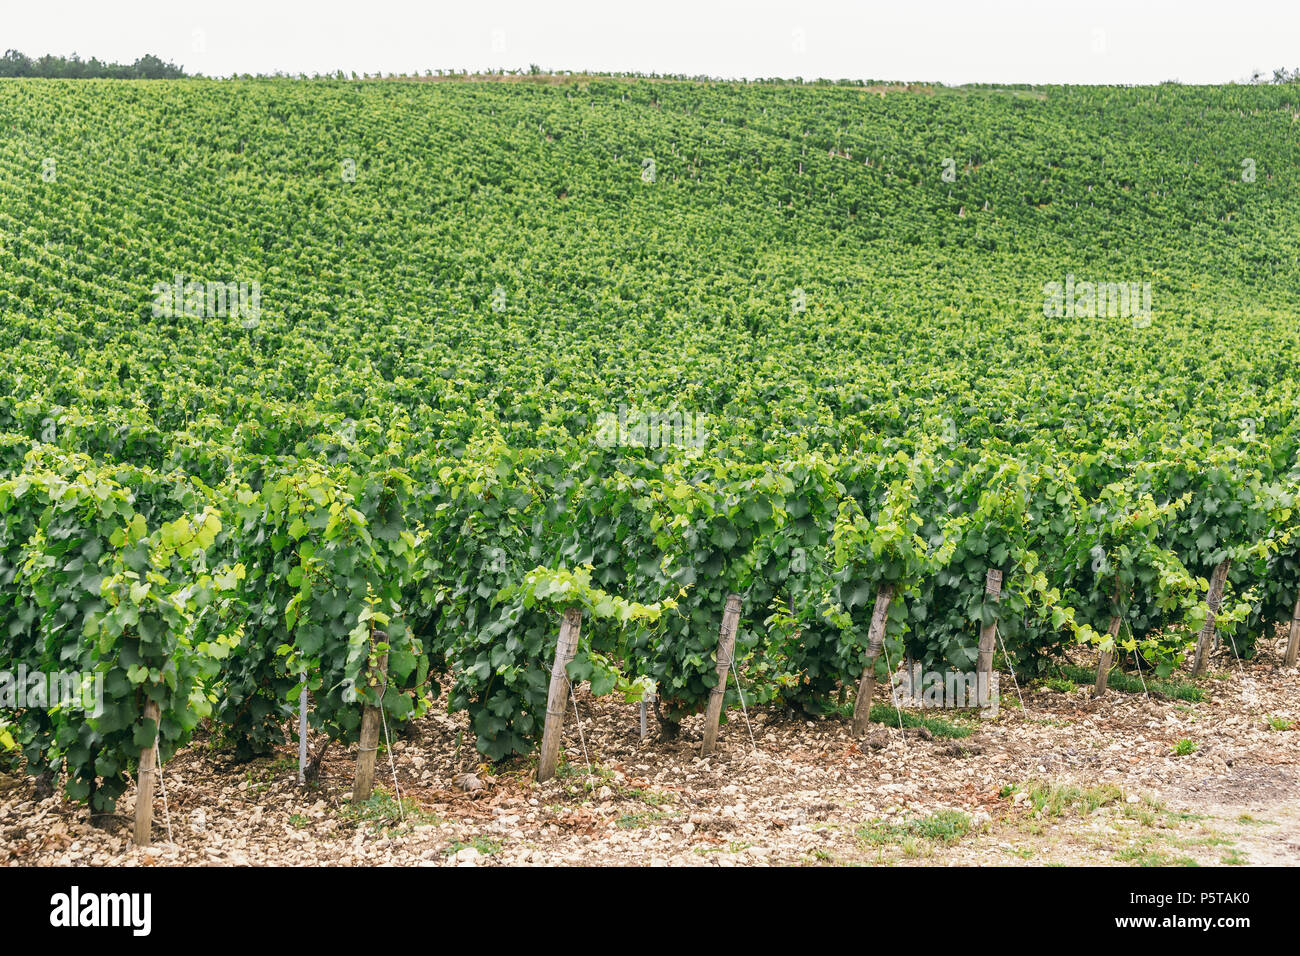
(726, 649)
(302, 733)
(368, 747)
(146, 780)
(988, 637)
(557, 699)
(1214, 600)
(647, 699)
(1293, 645)
(1106, 659)
(875, 641)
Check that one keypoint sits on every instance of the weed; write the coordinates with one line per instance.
(1054, 799)
(382, 812)
(945, 826)
(889, 715)
(486, 846)
(1124, 682)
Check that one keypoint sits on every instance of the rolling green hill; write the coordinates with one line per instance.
(795, 342)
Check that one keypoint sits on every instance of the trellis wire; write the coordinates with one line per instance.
(1011, 667)
(740, 690)
(573, 697)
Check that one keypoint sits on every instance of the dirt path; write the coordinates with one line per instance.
(1120, 781)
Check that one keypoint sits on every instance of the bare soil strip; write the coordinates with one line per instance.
(1120, 781)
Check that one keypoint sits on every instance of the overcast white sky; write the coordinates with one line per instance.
(950, 41)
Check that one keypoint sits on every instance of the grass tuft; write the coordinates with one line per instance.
(1127, 683)
(945, 826)
(887, 714)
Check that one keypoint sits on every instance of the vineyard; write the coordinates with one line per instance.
(334, 397)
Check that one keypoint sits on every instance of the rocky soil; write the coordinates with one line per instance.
(1123, 780)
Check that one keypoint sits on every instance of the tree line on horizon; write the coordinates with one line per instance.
(14, 63)
(147, 67)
